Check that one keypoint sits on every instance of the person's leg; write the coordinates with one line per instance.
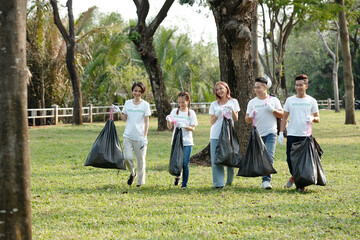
(128, 155)
(185, 175)
(270, 144)
(140, 154)
(230, 175)
(218, 172)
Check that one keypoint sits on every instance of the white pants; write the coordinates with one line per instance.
(131, 147)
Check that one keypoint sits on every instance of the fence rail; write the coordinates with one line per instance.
(55, 113)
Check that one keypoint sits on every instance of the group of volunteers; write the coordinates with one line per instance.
(301, 108)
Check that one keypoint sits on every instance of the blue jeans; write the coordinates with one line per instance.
(270, 144)
(218, 172)
(185, 175)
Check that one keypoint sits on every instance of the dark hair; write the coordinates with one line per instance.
(224, 84)
(262, 80)
(302, 77)
(187, 98)
(140, 85)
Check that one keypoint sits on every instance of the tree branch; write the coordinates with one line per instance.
(58, 22)
(142, 10)
(160, 16)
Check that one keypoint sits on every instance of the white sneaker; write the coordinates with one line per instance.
(290, 183)
(266, 185)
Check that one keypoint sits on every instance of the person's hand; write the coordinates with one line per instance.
(116, 108)
(269, 107)
(144, 142)
(310, 119)
(218, 112)
(281, 138)
(181, 125)
(169, 118)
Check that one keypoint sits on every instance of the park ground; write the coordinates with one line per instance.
(70, 201)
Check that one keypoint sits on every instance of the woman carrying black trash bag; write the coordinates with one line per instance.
(302, 109)
(185, 118)
(224, 105)
(136, 113)
(266, 109)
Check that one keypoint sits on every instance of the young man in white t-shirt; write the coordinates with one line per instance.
(302, 109)
(265, 109)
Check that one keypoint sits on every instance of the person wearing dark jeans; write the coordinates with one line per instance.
(303, 110)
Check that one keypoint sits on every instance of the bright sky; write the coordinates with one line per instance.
(186, 19)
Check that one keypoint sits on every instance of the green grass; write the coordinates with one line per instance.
(70, 201)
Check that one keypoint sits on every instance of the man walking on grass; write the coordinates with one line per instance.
(265, 109)
(303, 110)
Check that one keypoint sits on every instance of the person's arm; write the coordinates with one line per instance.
(235, 116)
(123, 116)
(169, 124)
(279, 113)
(213, 119)
(146, 128)
(284, 121)
(190, 128)
(248, 119)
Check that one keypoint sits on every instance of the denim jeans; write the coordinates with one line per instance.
(270, 144)
(289, 143)
(218, 172)
(185, 175)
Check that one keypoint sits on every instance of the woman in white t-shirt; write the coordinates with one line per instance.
(223, 105)
(185, 118)
(136, 113)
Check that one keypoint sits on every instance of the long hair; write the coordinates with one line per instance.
(187, 98)
(224, 84)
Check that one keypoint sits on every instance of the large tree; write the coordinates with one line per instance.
(142, 36)
(15, 209)
(69, 38)
(347, 67)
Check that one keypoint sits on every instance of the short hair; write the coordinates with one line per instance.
(140, 85)
(224, 84)
(261, 80)
(302, 77)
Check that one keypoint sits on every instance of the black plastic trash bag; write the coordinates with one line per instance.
(256, 161)
(227, 151)
(106, 151)
(306, 163)
(177, 154)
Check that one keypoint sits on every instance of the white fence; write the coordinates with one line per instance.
(53, 114)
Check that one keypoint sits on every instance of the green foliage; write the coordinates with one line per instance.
(70, 201)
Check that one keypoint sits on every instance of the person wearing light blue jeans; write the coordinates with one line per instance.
(185, 118)
(262, 112)
(224, 106)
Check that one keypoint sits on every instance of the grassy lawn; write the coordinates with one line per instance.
(70, 201)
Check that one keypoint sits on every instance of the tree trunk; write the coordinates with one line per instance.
(15, 208)
(283, 82)
(255, 46)
(347, 68)
(142, 37)
(70, 58)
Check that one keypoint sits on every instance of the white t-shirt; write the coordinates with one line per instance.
(216, 127)
(188, 121)
(265, 121)
(135, 124)
(300, 109)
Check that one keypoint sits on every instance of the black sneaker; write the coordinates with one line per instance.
(131, 179)
(138, 185)
(177, 180)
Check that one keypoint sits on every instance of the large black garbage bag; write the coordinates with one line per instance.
(306, 163)
(177, 154)
(256, 161)
(227, 151)
(106, 151)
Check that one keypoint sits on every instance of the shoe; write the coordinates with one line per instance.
(266, 185)
(219, 187)
(290, 183)
(184, 188)
(177, 180)
(138, 185)
(301, 189)
(131, 179)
